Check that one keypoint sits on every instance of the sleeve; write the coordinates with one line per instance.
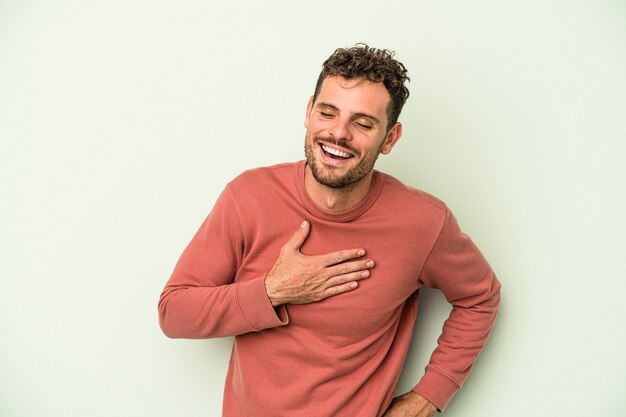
(202, 298)
(458, 269)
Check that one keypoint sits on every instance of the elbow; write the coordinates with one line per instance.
(170, 333)
(496, 288)
(484, 297)
(168, 328)
(489, 302)
(175, 320)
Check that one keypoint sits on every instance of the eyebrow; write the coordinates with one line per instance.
(358, 114)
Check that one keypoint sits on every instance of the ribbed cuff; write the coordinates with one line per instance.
(436, 388)
(256, 308)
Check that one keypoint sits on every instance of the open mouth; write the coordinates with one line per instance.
(335, 153)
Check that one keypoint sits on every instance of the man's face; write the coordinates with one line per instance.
(346, 131)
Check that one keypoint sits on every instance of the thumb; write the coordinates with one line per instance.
(300, 235)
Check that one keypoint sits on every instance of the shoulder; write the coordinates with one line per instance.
(278, 170)
(261, 175)
(396, 189)
(263, 184)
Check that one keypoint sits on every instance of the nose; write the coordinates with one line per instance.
(340, 130)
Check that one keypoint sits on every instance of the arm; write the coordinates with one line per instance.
(202, 299)
(458, 269)
(410, 404)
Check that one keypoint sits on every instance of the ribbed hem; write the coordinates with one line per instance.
(256, 308)
(436, 388)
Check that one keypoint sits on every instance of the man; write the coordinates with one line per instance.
(323, 316)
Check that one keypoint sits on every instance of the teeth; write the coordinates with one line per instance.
(336, 152)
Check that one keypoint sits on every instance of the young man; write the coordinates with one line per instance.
(323, 316)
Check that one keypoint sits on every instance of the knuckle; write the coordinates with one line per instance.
(325, 294)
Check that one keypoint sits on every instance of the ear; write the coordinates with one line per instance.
(393, 136)
(308, 112)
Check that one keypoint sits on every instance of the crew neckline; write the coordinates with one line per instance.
(376, 188)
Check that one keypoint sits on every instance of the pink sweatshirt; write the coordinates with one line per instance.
(341, 356)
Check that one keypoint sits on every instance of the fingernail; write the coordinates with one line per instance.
(303, 225)
(361, 252)
(370, 264)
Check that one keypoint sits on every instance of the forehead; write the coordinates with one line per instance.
(355, 95)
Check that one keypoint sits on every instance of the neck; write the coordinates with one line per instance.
(336, 200)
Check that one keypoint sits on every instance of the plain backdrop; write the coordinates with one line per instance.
(122, 121)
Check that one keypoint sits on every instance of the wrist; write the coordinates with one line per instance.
(271, 294)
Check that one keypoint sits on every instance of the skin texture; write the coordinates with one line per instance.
(349, 117)
(411, 404)
(299, 279)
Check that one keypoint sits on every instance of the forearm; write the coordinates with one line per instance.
(463, 337)
(217, 311)
(459, 270)
(206, 296)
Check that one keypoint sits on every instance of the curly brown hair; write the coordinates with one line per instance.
(376, 65)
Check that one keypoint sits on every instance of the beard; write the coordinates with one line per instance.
(328, 175)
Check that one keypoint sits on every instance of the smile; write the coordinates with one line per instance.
(335, 153)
